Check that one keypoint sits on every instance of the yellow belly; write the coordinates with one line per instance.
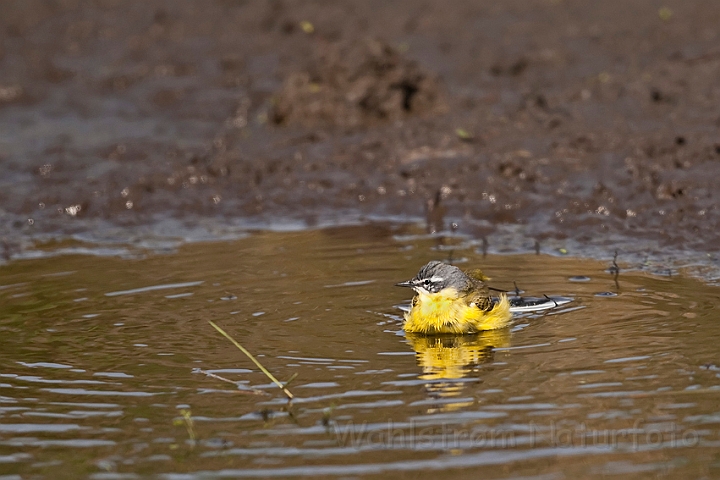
(445, 313)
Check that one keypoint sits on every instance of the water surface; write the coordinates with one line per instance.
(102, 361)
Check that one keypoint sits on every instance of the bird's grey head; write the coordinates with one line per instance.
(436, 276)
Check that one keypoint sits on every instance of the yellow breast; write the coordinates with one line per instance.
(445, 312)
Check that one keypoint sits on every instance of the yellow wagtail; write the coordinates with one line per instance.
(449, 300)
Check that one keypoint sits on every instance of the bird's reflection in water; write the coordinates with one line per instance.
(447, 359)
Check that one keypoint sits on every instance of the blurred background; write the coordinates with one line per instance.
(571, 124)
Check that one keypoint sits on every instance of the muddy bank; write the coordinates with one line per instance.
(595, 124)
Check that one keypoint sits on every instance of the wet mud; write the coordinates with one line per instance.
(557, 121)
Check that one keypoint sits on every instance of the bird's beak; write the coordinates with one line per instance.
(408, 284)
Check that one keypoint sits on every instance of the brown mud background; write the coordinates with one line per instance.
(596, 123)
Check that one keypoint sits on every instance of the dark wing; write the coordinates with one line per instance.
(479, 295)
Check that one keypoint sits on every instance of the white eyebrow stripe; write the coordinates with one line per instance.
(435, 279)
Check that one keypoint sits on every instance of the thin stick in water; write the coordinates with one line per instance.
(259, 365)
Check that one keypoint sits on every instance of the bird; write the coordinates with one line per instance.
(448, 300)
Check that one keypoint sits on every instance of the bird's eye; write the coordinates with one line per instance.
(426, 282)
